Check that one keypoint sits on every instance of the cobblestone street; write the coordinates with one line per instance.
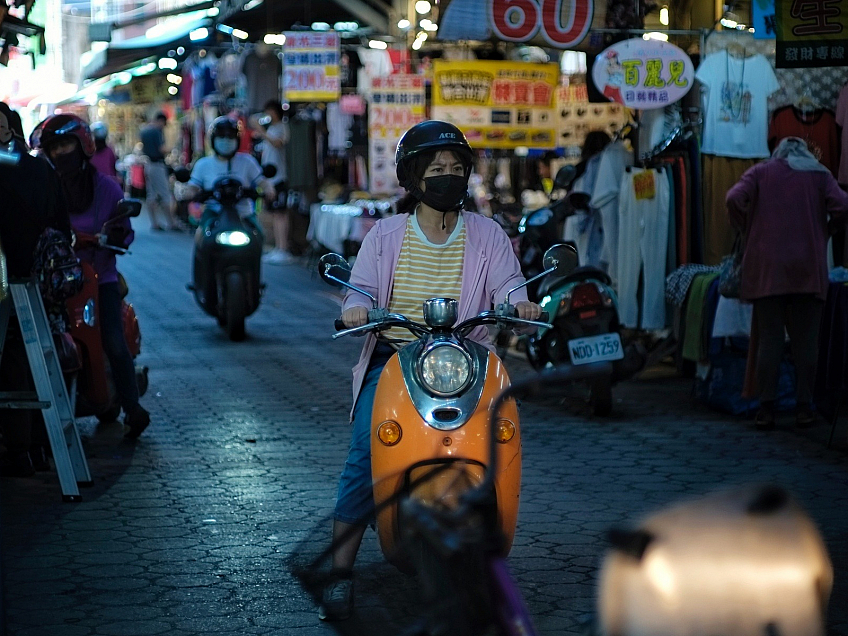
(188, 530)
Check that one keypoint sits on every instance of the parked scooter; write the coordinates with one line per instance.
(95, 392)
(541, 228)
(227, 255)
(584, 311)
(430, 426)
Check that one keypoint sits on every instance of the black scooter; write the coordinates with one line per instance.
(227, 255)
(582, 305)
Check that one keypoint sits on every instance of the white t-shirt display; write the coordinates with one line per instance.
(242, 167)
(736, 104)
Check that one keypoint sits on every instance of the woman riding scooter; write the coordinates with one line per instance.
(422, 252)
(92, 199)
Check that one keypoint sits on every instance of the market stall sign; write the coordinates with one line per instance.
(577, 117)
(811, 33)
(643, 74)
(561, 24)
(764, 19)
(311, 67)
(497, 104)
(396, 104)
(149, 88)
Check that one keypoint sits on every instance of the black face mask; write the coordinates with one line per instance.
(445, 193)
(69, 165)
(77, 180)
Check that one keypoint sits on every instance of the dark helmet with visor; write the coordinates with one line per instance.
(430, 137)
(225, 128)
(64, 126)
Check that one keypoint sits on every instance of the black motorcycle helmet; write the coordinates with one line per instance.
(224, 127)
(429, 137)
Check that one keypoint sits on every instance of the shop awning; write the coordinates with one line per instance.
(120, 56)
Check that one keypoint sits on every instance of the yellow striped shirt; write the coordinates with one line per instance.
(425, 270)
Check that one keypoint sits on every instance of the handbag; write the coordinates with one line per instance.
(57, 268)
(730, 270)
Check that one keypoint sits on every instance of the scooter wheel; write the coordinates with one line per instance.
(235, 300)
(600, 397)
(141, 379)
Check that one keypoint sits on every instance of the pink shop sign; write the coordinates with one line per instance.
(643, 74)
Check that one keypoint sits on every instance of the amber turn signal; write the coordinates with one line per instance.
(389, 433)
(504, 431)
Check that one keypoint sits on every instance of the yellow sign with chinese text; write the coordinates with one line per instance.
(497, 104)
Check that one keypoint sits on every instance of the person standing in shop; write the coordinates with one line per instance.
(104, 158)
(159, 196)
(274, 140)
(785, 208)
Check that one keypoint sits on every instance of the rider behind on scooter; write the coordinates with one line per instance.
(225, 138)
(430, 233)
(68, 144)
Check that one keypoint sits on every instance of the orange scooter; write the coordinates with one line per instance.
(92, 389)
(430, 434)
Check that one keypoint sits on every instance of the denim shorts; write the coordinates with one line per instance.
(355, 501)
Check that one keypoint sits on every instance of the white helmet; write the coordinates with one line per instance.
(100, 130)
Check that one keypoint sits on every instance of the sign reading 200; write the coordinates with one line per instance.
(522, 20)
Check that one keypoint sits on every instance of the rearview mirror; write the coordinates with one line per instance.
(182, 175)
(579, 200)
(565, 177)
(562, 258)
(128, 208)
(269, 171)
(334, 266)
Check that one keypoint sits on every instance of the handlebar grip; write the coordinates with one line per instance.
(339, 324)
(544, 317)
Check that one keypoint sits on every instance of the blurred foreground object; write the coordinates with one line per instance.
(744, 562)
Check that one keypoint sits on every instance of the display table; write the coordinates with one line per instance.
(332, 225)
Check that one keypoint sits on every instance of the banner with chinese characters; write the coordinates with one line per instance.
(311, 66)
(558, 24)
(576, 117)
(396, 103)
(811, 33)
(497, 104)
(763, 18)
(643, 74)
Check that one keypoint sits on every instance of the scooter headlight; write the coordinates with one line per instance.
(445, 369)
(88, 314)
(236, 238)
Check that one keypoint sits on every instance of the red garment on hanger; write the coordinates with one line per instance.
(817, 128)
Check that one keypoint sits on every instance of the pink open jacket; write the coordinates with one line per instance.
(489, 270)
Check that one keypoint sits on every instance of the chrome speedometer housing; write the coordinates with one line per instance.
(444, 368)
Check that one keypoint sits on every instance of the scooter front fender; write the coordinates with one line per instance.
(394, 467)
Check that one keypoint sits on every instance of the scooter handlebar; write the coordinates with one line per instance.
(339, 324)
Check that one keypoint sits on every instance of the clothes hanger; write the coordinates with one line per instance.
(737, 50)
(806, 104)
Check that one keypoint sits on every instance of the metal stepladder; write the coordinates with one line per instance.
(51, 394)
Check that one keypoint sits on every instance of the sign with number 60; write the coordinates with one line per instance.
(562, 24)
